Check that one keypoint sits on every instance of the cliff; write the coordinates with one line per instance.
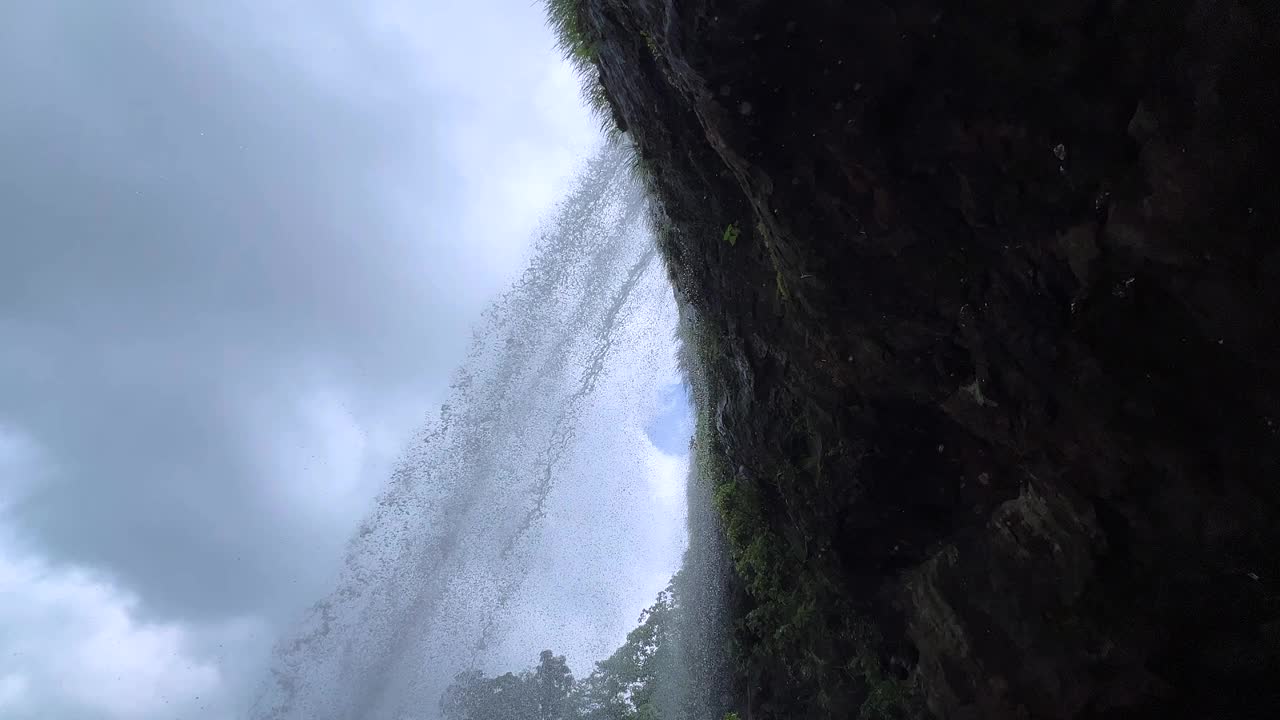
(982, 301)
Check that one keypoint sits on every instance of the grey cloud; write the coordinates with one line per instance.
(207, 211)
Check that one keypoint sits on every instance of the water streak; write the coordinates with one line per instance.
(526, 468)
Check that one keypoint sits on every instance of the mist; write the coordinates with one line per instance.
(537, 507)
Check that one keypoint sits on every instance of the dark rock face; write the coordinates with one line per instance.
(1006, 300)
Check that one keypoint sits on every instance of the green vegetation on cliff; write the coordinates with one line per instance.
(567, 21)
(784, 637)
(565, 17)
(786, 593)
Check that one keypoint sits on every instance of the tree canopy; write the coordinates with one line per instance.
(625, 686)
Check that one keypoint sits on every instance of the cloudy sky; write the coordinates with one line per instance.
(242, 245)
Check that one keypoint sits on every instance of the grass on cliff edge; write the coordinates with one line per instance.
(565, 17)
(567, 22)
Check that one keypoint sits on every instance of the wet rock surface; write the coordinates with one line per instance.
(995, 342)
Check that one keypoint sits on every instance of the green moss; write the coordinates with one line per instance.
(886, 700)
(731, 233)
(649, 42)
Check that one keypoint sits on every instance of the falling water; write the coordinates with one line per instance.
(521, 517)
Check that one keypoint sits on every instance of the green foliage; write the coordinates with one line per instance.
(624, 686)
(572, 37)
(552, 685)
(565, 17)
(475, 697)
(544, 693)
(636, 682)
(731, 233)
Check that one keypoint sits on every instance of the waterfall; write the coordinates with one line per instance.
(521, 515)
